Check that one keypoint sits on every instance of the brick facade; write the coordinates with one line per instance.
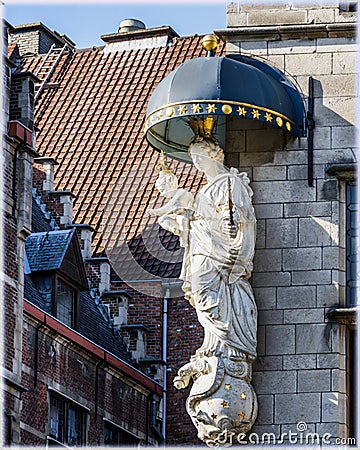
(185, 336)
(45, 361)
(54, 367)
(17, 159)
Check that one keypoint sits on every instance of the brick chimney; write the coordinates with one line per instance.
(43, 176)
(22, 98)
(84, 232)
(60, 204)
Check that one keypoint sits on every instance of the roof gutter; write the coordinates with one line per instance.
(93, 348)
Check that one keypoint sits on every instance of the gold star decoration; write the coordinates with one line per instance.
(241, 111)
(151, 120)
(255, 113)
(159, 115)
(225, 404)
(182, 109)
(241, 415)
(268, 117)
(196, 108)
(228, 387)
(210, 400)
(214, 416)
(211, 108)
(243, 395)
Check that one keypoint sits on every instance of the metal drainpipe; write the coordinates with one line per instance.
(164, 357)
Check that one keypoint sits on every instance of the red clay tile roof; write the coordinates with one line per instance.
(11, 47)
(93, 126)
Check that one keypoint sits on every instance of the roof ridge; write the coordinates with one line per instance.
(57, 231)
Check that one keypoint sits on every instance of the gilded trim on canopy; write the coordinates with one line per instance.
(221, 102)
(202, 107)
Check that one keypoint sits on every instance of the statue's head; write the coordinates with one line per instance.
(166, 182)
(205, 153)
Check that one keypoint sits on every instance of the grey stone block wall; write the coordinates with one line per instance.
(282, 12)
(299, 264)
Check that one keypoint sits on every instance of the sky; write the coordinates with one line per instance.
(85, 21)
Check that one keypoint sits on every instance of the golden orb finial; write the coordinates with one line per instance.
(210, 42)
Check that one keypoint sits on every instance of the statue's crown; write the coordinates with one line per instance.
(202, 127)
(163, 165)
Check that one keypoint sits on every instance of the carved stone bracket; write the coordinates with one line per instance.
(222, 403)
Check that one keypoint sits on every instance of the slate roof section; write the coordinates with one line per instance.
(38, 220)
(45, 253)
(57, 250)
(33, 295)
(92, 124)
(93, 326)
(46, 250)
(91, 323)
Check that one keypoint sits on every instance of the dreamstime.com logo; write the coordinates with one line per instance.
(300, 437)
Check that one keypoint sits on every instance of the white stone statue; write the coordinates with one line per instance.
(217, 230)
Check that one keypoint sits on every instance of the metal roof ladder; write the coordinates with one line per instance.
(47, 67)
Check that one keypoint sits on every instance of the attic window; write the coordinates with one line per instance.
(65, 303)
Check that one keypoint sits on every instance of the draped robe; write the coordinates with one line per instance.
(216, 267)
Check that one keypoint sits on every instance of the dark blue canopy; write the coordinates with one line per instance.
(219, 87)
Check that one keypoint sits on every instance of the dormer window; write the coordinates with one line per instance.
(65, 303)
(55, 265)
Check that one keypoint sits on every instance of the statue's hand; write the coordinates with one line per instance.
(151, 212)
(229, 229)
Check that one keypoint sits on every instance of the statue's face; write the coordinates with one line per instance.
(201, 158)
(166, 184)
